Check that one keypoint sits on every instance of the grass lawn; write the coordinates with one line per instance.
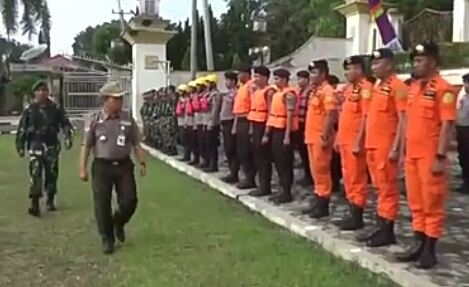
(184, 234)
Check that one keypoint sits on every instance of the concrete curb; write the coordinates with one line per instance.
(314, 232)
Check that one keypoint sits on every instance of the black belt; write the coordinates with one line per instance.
(113, 161)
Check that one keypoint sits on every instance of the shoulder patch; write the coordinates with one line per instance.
(400, 93)
(366, 94)
(448, 98)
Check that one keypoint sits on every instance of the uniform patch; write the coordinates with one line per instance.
(366, 94)
(400, 93)
(448, 98)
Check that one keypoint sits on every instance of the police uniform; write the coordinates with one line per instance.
(212, 127)
(111, 139)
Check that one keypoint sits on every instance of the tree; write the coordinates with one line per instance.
(35, 13)
(82, 41)
(186, 61)
(236, 62)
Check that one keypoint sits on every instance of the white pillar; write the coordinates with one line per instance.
(461, 21)
(358, 25)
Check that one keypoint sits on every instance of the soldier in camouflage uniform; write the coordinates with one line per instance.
(37, 133)
(144, 115)
(157, 113)
(168, 124)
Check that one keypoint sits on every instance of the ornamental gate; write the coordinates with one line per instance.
(81, 91)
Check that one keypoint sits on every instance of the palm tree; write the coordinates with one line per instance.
(35, 14)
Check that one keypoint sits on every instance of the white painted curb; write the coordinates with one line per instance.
(373, 262)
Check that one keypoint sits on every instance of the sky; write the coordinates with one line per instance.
(72, 16)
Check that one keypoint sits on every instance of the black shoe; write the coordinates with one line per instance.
(305, 181)
(321, 208)
(108, 246)
(246, 184)
(413, 252)
(34, 210)
(353, 220)
(230, 179)
(119, 232)
(370, 232)
(310, 208)
(258, 192)
(50, 205)
(185, 159)
(194, 162)
(210, 169)
(384, 237)
(203, 165)
(283, 197)
(427, 258)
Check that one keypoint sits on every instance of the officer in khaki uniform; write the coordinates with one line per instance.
(111, 134)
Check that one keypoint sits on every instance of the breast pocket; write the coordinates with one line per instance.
(427, 109)
(316, 105)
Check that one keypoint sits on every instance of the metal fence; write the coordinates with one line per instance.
(81, 92)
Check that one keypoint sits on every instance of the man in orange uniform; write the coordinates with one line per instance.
(319, 137)
(431, 112)
(260, 103)
(350, 142)
(384, 113)
(241, 109)
(282, 123)
(304, 89)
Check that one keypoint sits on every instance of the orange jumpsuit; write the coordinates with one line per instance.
(354, 167)
(428, 107)
(320, 102)
(387, 100)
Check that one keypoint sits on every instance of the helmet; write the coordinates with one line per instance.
(201, 81)
(183, 88)
(211, 78)
(192, 84)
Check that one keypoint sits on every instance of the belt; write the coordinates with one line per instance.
(113, 161)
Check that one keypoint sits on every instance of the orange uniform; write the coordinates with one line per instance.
(278, 113)
(388, 99)
(354, 166)
(242, 100)
(259, 106)
(320, 102)
(428, 107)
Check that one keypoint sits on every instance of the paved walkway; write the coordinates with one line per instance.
(453, 268)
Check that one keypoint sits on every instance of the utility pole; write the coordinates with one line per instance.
(121, 14)
(208, 37)
(194, 40)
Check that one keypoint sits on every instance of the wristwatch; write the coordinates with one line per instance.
(440, 156)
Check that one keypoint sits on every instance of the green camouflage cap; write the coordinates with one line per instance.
(39, 84)
(112, 89)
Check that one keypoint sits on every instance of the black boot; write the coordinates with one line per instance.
(108, 246)
(211, 169)
(50, 204)
(321, 208)
(194, 162)
(413, 252)
(246, 184)
(230, 178)
(353, 220)
(259, 192)
(283, 197)
(385, 236)
(369, 233)
(305, 181)
(427, 258)
(35, 210)
(203, 164)
(119, 233)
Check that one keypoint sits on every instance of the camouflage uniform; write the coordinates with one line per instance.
(37, 132)
(168, 126)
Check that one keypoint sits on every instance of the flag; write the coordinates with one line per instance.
(385, 28)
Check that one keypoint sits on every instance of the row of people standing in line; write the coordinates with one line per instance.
(380, 125)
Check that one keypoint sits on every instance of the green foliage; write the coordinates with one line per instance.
(236, 62)
(35, 14)
(186, 61)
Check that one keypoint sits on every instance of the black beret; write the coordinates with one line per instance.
(333, 80)
(427, 49)
(383, 53)
(465, 78)
(282, 73)
(244, 68)
(262, 71)
(354, 60)
(319, 64)
(39, 84)
(230, 75)
(302, 74)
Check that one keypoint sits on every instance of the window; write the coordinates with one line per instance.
(149, 7)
